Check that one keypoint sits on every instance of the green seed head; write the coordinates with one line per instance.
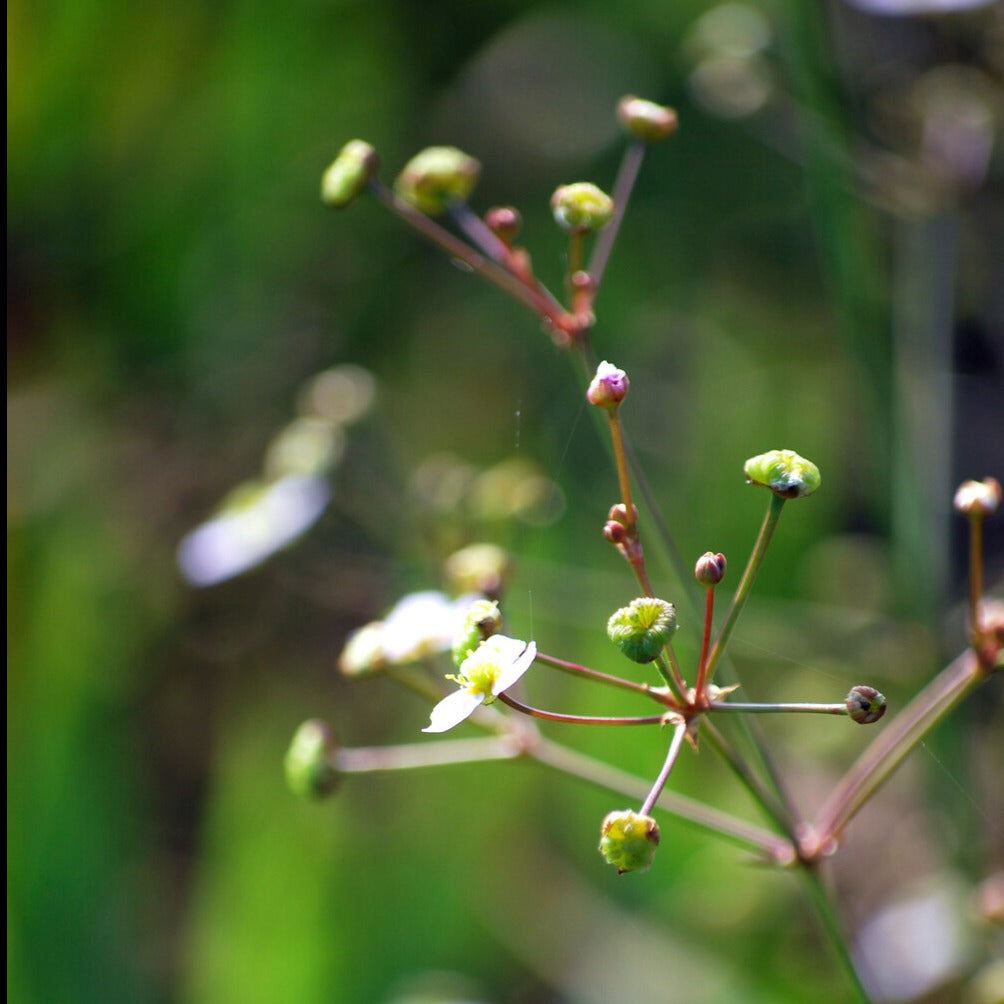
(628, 840)
(581, 208)
(645, 120)
(784, 472)
(310, 768)
(349, 173)
(436, 178)
(642, 628)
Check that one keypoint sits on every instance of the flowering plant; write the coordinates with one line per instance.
(682, 697)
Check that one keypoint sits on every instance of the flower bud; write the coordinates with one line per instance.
(479, 568)
(978, 498)
(364, 651)
(865, 704)
(628, 840)
(710, 569)
(581, 208)
(310, 767)
(615, 532)
(642, 628)
(645, 120)
(609, 387)
(349, 173)
(483, 619)
(505, 222)
(784, 472)
(436, 178)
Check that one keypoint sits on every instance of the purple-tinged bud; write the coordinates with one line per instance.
(865, 704)
(978, 498)
(349, 173)
(710, 568)
(581, 208)
(505, 222)
(310, 766)
(615, 532)
(436, 178)
(628, 840)
(609, 387)
(646, 120)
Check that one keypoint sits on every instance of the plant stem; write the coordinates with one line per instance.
(767, 528)
(891, 747)
(702, 662)
(975, 572)
(783, 708)
(822, 903)
(660, 782)
(774, 848)
(594, 674)
(772, 806)
(410, 756)
(557, 716)
(627, 174)
(536, 297)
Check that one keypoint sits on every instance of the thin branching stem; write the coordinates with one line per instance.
(767, 528)
(679, 733)
(892, 746)
(627, 174)
(556, 716)
(600, 677)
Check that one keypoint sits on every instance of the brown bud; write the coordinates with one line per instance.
(865, 704)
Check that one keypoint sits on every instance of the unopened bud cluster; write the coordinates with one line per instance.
(645, 120)
(310, 767)
(581, 208)
(865, 705)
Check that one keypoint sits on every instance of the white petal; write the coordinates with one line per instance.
(452, 710)
(523, 654)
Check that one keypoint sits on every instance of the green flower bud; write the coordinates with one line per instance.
(865, 704)
(978, 498)
(349, 173)
(710, 568)
(642, 628)
(483, 619)
(436, 178)
(609, 387)
(646, 120)
(310, 767)
(628, 841)
(581, 208)
(784, 472)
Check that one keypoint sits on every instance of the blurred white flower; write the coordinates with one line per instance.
(418, 626)
(258, 519)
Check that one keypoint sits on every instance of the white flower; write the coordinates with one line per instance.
(494, 666)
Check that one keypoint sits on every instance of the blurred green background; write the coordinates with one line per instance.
(814, 262)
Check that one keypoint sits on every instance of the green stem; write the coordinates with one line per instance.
(767, 528)
(764, 796)
(822, 903)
